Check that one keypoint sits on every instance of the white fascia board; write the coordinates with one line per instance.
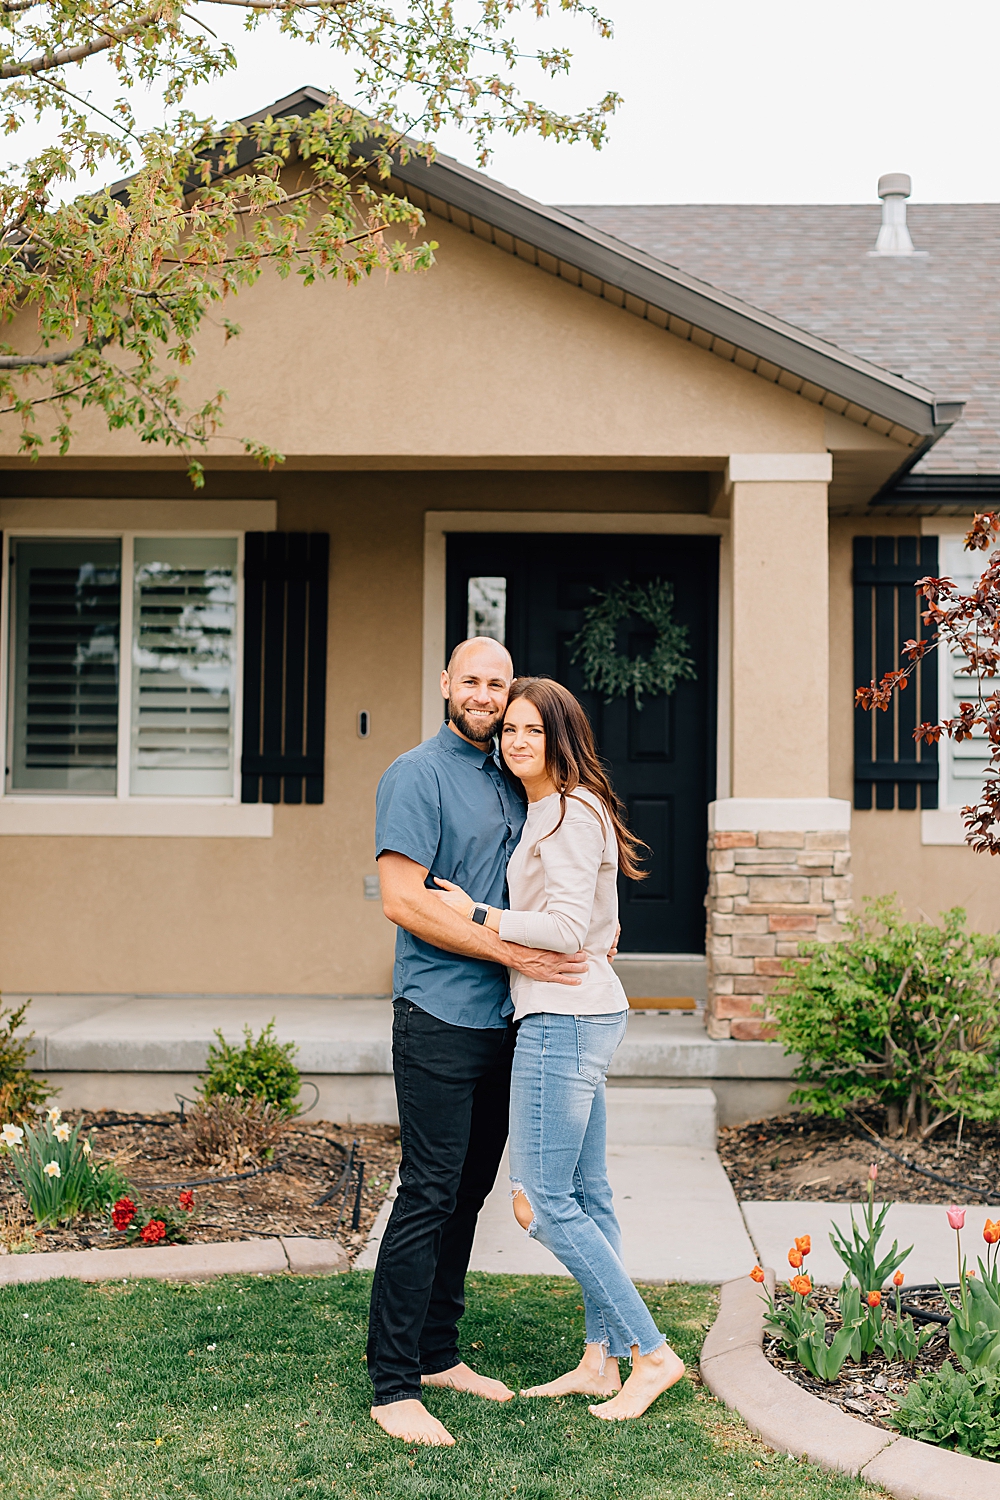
(779, 815)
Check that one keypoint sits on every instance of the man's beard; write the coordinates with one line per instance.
(480, 730)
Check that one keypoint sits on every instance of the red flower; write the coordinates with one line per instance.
(154, 1231)
(898, 1279)
(874, 1298)
(123, 1213)
(186, 1200)
(757, 1274)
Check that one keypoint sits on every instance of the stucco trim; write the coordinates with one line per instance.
(97, 817)
(942, 825)
(774, 468)
(779, 814)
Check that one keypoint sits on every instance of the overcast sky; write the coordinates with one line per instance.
(780, 101)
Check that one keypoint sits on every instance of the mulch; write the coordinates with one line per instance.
(811, 1159)
(156, 1149)
(871, 1389)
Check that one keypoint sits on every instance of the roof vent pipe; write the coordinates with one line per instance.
(893, 237)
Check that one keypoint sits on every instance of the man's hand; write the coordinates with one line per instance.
(554, 968)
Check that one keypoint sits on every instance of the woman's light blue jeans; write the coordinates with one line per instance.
(558, 1130)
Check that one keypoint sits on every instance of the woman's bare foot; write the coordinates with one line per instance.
(461, 1378)
(586, 1380)
(411, 1422)
(652, 1374)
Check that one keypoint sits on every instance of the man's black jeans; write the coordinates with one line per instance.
(453, 1092)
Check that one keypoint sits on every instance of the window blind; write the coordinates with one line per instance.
(183, 666)
(65, 608)
(964, 765)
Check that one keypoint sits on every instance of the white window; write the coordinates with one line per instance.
(962, 766)
(122, 667)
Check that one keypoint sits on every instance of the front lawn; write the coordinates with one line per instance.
(256, 1389)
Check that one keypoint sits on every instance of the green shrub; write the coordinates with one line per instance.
(22, 1095)
(56, 1170)
(261, 1069)
(955, 1409)
(905, 1015)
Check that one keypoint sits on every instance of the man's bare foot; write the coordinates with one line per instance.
(461, 1378)
(652, 1374)
(586, 1380)
(411, 1422)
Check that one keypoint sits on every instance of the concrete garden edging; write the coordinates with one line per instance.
(296, 1253)
(790, 1420)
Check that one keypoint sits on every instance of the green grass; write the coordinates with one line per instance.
(250, 1387)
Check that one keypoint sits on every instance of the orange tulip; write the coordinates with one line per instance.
(874, 1298)
(757, 1274)
(803, 1243)
(801, 1284)
(970, 1273)
(991, 1231)
(898, 1279)
(795, 1258)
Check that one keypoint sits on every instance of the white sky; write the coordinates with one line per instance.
(781, 101)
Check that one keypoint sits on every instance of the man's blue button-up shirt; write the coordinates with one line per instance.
(449, 807)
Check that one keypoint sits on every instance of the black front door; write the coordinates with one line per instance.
(532, 589)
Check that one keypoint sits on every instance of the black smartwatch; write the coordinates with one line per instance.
(479, 913)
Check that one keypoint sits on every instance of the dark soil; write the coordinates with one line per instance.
(156, 1149)
(808, 1158)
(873, 1388)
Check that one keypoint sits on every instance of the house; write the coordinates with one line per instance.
(787, 413)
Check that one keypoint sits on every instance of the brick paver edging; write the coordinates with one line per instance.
(790, 1420)
(297, 1253)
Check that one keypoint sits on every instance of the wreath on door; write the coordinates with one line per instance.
(615, 675)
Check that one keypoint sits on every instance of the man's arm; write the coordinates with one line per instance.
(407, 902)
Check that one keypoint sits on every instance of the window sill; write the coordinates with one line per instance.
(942, 825)
(96, 817)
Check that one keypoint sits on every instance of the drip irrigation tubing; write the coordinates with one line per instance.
(865, 1133)
(271, 1166)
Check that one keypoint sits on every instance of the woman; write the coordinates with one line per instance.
(562, 882)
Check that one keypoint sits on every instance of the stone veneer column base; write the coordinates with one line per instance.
(767, 893)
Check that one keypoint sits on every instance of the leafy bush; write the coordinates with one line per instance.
(905, 1015)
(957, 1409)
(261, 1069)
(57, 1172)
(22, 1095)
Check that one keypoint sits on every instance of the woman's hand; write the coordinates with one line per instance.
(452, 895)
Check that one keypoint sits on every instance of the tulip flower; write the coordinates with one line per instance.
(801, 1284)
(803, 1243)
(970, 1273)
(991, 1231)
(874, 1298)
(956, 1217)
(898, 1279)
(52, 1169)
(12, 1135)
(757, 1274)
(795, 1259)
(873, 1171)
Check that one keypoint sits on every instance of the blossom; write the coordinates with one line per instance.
(801, 1284)
(970, 1273)
(898, 1279)
(52, 1169)
(185, 1199)
(874, 1298)
(991, 1231)
(62, 1132)
(795, 1258)
(757, 1274)
(87, 1148)
(53, 1114)
(154, 1231)
(12, 1135)
(803, 1243)
(956, 1217)
(123, 1213)
(873, 1171)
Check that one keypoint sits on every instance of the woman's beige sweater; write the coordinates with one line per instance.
(564, 896)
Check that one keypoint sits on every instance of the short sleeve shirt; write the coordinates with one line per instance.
(451, 807)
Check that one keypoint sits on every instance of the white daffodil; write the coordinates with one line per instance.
(87, 1148)
(53, 1114)
(12, 1135)
(52, 1169)
(62, 1132)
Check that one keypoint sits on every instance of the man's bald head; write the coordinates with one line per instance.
(483, 646)
(476, 684)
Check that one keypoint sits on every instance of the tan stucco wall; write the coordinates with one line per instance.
(887, 854)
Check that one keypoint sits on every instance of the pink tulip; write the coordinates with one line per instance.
(956, 1217)
(873, 1171)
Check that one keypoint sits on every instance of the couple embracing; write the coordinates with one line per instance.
(499, 843)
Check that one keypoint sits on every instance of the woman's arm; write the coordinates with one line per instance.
(571, 859)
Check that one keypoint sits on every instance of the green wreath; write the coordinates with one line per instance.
(615, 675)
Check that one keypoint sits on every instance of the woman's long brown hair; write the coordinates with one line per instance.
(571, 760)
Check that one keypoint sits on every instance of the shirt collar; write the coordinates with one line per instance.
(459, 746)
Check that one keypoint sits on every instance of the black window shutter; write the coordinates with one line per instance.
(886, 613)
(285, 582)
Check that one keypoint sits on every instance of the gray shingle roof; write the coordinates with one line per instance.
(933, 318)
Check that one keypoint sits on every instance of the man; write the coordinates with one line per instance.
(446, 809)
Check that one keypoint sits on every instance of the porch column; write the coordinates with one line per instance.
(779, 845)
